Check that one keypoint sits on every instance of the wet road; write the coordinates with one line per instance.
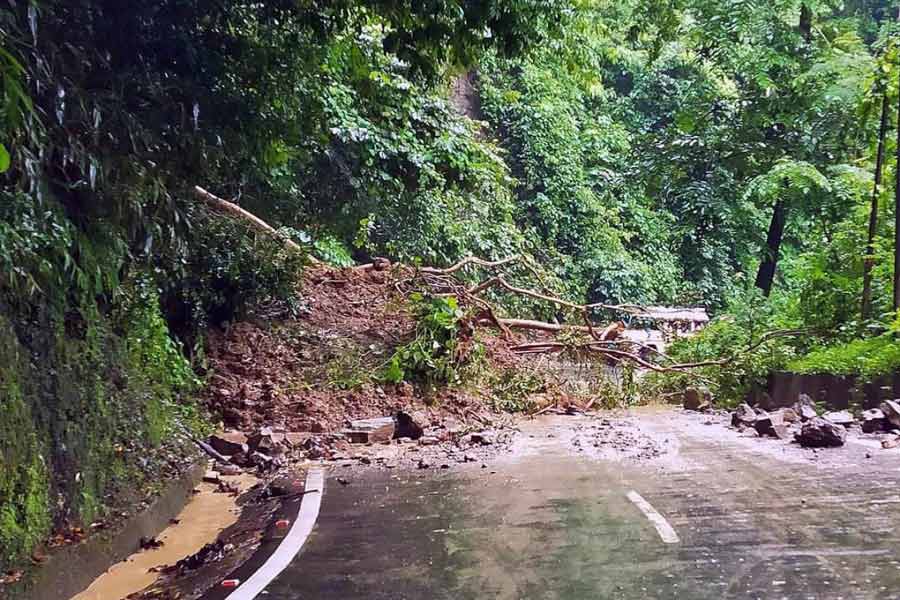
(753, 518)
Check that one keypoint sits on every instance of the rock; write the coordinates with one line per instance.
(230, 470)
(697, 399)
(873, 420)
(429, 440)
(766, 424)
(407, 426)
(262, 441)
(484, 438)
(820, 433)
(840, 417)
(369, 431)
(261, 460)
(805, 408)
(211, 477)
(789, 415)
(891, 410)
(743, 415)
(891, 442)
(229, 444)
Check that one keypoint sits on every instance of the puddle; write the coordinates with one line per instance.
(200, 522)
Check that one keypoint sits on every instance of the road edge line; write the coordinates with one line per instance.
(292, 543)
(665, 531)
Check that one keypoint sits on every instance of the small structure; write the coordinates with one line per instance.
(664, 324)
(676, 320)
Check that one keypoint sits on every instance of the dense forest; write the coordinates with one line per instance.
(731, 154)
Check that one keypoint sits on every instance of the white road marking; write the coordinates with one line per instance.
(665, 530)
(292, 542)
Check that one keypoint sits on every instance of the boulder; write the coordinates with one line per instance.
(820, 433)
(771, 424)
(483, 438)
(229, 444)
(873, 420)
(805, 408)
(697, 399)
(262, 441)
(369, 431)
(407, 426)
(743, 415)
(891, 410)
(840, 417)
(789, 415)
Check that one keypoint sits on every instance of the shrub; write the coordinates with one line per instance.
(435, 353)
(228, 270)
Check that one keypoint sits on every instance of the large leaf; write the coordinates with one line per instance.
(4, 159)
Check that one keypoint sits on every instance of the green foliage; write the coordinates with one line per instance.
(510, 390)
(869, 358)
(736, 336)
(228, 270)
(435, 353)
(24, 482)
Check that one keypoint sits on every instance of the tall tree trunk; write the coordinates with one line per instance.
(805, 22)
(766, 274)
(765, 277)
(897, 217)
(869, 261)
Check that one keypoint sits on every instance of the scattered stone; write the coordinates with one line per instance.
(805, 407)
(697, 399)
(342, 481)
(789, 415)
(370, 431)
(229, 444)
(891, 410)
(258, 459)
(150, 543)
(769, 424)
(407, 426)
(209, 553)
(211, 477)
(230, 470)
(483, 438)
(429, 440)
(890, 443)
(744, 415)
(820, 433)
(265, 440)
(423, 464)
(840, 417)
(873, 420)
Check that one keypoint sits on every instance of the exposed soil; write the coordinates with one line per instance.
(300, 380)
(313, 374)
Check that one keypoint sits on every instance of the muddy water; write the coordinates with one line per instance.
(199, 523)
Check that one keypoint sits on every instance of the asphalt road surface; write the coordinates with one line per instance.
(567, 517)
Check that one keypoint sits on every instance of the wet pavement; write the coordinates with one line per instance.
(754, 519)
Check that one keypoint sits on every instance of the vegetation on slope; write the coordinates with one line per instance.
(710, 152)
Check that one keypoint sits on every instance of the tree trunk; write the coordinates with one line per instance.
(869, 261)
(766, 274)
(897, 217)
(805, 22)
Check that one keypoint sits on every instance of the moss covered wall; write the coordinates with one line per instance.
(86, 398)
